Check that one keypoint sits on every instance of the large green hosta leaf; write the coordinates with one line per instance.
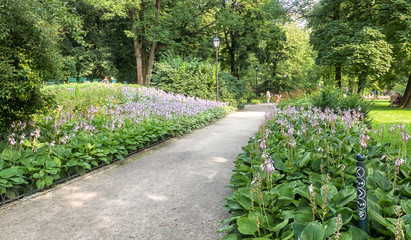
(313, 231)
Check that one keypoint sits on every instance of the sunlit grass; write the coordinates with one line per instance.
(382, 114)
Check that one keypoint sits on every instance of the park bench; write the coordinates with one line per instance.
(83, 80)
(72, 80)
(51, 82)
(96, 80)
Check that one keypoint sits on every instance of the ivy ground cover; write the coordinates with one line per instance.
(296, 179)
(94, 124)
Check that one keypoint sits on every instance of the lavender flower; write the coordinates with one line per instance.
(364, 138)
(262, 144)
(399, 162)
(405, 137)
(268, 166)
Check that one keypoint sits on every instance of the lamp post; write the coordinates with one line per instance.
(256, 88)
(216, 45)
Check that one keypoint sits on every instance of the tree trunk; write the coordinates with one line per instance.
(137, 47)
(338, 75)
(232, 54)
(406, 99)
(361, 85)
(152, 50)
(350, 85)
(143, 43)
(150, 64)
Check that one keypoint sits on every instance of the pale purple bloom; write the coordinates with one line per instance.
(270, 167)
(293, 143)
(37, 133)
(405, 136)
(399, 162)
(290, 131)
(392, 128)
(262, 144)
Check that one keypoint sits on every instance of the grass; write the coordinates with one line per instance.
(382, 114)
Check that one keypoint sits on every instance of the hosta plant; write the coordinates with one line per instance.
(296, 179)
(77, 136)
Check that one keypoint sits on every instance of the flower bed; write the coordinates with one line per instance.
(296, 179)
(79, 136)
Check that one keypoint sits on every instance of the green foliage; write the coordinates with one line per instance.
(193, 77)
(369, 56)
(363, 40)
(29, 53)
(296, 179)
(76, 137)
(245, 26)
(19, 101)
(384, 116)
(328, 97)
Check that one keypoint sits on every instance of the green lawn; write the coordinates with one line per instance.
(382, 114)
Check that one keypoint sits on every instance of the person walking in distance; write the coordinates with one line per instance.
(268, 95)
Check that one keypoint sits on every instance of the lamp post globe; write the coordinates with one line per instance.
(216, 42)
(216, 45)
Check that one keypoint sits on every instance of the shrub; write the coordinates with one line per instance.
(193, 77)
(339, 99)
(20, 100)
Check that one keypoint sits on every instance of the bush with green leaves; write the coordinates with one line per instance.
(20, 101)
(194, 77)
(296, 179)
(340, 99)
(29, 33)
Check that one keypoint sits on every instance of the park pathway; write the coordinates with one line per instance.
(174, 191)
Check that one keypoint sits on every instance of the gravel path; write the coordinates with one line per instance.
(174, 191)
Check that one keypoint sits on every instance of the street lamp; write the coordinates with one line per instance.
(256, 89)
(216, 45)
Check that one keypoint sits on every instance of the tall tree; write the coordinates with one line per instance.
(330, 33)
(156, 24)
(29, 35)
(369, 56)
(242, 24)
(394, 17)
(274, 53)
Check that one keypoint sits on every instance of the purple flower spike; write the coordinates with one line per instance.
(405, 137)
(270, 167)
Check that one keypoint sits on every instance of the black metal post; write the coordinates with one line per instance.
(256, 89)
(256, 86)
(361, 192)
(216, 67)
